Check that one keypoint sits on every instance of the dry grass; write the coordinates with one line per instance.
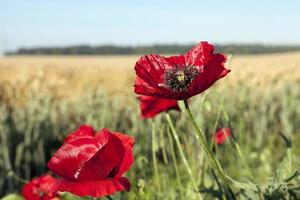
(68, 75)
(260, 70)
(73, 75)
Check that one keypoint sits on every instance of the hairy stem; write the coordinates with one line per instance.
(184, 160)
(178, 178)
(201, 138)
(154, 145)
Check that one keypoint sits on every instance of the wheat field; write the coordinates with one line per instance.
(72, 75)
(43, 98)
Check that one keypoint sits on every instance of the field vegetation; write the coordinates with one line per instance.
(44, 98)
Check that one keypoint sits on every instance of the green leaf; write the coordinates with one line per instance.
(243, 185)
(12, 197)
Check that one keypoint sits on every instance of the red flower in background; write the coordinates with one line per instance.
(39, 188)
(151, 106)
(179, 77)
(92, 164)
(221, 135)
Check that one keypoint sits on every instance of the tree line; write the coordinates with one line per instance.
(161, 49)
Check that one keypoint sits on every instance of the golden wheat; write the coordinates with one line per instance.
(73, 75)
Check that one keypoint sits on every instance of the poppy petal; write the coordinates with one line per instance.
(105, 163)
(200, 54)
(39, 188)
(128, 158)
(127, 161)
(222, 134)
(199, 69)
(82, 131)
(142, 87)
(70, 157)
(150, 71)
(176, 60)
(213, 71)
(151, 106)
(126, 139)
(151, 68)
(95, 188)
(27, 192)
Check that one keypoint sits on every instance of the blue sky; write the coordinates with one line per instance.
(29, 23)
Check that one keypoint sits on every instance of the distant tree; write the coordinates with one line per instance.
(161, 49)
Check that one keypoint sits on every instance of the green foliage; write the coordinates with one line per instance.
(32, 130)
(12, 197)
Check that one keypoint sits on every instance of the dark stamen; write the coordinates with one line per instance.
(113, 172)
(179, 79)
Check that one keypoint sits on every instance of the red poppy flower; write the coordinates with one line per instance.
(151, 106)
(92, 164)
(221, 135)
(179, 77)
(39, 188)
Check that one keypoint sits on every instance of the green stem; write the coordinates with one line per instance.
(244, 163)
(154, 145)
(212, 144)
(5, 151)
(290, 159)
(200, 137)
(17, 178)
(108, 197)
(203, 169)
(178, 178)
(163, 146)
(184, 160)
(237, 146)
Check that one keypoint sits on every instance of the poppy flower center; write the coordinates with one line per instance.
(179, 79)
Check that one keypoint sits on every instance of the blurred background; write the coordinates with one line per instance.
(34, 24)
(65, 63)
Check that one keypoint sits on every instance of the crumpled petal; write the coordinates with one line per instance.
(153, 68)
(69, 159)
(126, 139)
(95, 188)
(106, 162)
(151, 106)
(39, 188)
(175, 61)
(82, 131)
(142, 87)
(200, 54)
(128, 158)
(213, 71)
(151, 71)
(92, 165)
